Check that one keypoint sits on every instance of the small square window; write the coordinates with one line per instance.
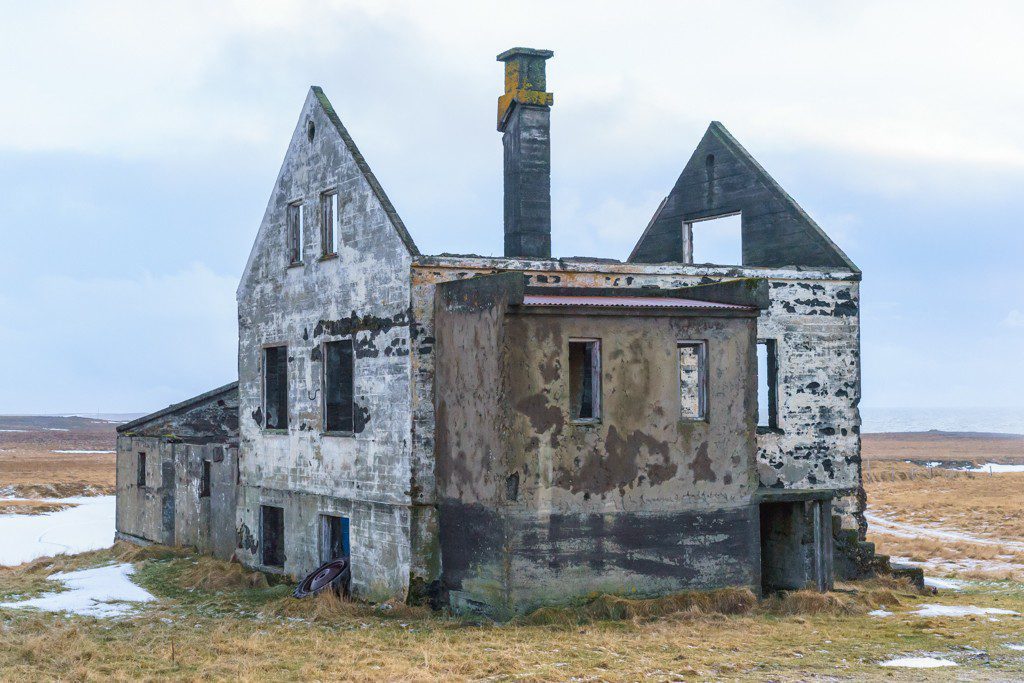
(272, 535)
(585, 380)
(204, 480)
(296, 228)
(693, 380)
(140, 471)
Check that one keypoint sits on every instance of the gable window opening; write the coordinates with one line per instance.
(296, 229)
(330, 228)
(767, 385)
(140, 474)
(585, 380)
(693, 380)
(714, 240)
(204, 480)
(272, 536)
(275, 387)
(339, 387)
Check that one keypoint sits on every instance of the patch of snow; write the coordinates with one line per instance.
(57, 429)
(13, 430)
(99, 592)
(960, 565)
(992, 468)
(89, 525)
(918, 662)
(1014, 646)
(78, 451)
(958, 611)
(879, 613)
(889, 527)
(944, 584)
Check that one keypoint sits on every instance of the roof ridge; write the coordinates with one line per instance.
(175, 407)
(727, 138)
(364, 167)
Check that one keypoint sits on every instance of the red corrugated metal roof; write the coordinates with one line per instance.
(625, 302)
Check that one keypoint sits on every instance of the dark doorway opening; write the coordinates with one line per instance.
(781, 547)
(333, 537)
(272, 535)
(796, 544)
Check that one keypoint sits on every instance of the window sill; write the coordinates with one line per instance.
(588, 422)
(297, 264)
(348, 435)
(277, 432)
(328, 257)
(761, 429)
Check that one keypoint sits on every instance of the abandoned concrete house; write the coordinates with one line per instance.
(505, 432)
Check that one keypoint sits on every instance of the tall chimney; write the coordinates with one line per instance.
(524, 118)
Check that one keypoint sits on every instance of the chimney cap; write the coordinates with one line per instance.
(514, 52)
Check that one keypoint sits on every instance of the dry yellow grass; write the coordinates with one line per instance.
(30, 507)
(262, 634)
(36, 472)
(29, 467)
(983, 505)
(926, 446)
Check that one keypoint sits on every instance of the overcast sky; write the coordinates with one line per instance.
(139, 143)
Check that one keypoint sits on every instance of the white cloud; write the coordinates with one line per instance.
(915, 80)
(1014, 319)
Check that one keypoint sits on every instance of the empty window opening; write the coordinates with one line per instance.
(140, 472)
(333, 537)
(204, 480)
(767, 384)
(339, 386)
(585, 379)
(693, 380)
(272, 535)
(296, 227)
(717, 240)
(330, 230)
(275, 387)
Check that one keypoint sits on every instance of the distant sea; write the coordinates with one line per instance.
(993, 420)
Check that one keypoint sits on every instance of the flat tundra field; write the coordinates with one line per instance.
(190, 617)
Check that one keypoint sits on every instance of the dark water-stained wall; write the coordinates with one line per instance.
(535, 509)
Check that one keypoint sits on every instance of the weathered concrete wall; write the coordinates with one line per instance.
(176, 440)
(145, 512)
(362, 293)
(537, 509)
(813, 315)
(206, 522)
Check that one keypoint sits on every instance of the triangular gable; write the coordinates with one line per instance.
(316, 98)
(722, 178)
(228, 392)
(371, 179)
